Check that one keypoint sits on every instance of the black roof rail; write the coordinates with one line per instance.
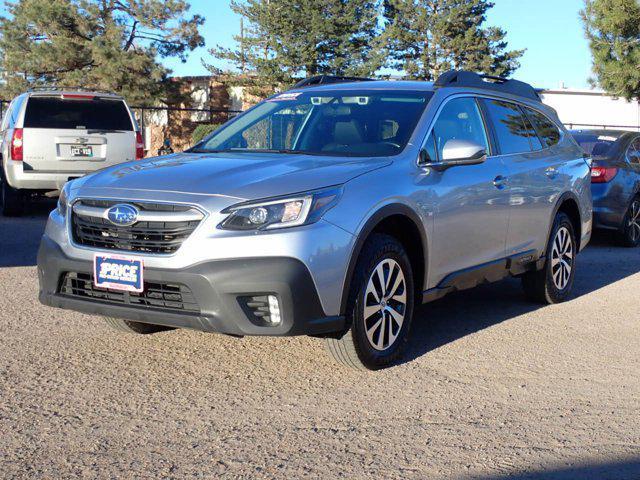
(463, 78)
(327, 79)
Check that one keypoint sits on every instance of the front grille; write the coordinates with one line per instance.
(162, 228)
(160, 296)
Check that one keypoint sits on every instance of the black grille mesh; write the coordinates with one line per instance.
(160, 296)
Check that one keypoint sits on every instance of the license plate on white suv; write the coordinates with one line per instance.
(118, 272)
(80, 151)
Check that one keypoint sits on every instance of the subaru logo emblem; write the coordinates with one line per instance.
(123, 215)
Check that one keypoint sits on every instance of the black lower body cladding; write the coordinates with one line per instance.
(217, 288)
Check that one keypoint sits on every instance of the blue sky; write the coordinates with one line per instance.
(550, 30)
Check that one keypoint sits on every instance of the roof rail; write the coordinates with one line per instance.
(69, 89)
(327, 79)
(463, 78)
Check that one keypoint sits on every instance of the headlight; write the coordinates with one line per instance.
(281, 213)
(63, 199)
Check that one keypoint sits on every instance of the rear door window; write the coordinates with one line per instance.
(90, 114)
(548, 131)
(512, 130)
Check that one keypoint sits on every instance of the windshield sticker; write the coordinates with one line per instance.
(605, 138)
(285, 96)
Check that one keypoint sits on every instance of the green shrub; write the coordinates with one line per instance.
(202, 131)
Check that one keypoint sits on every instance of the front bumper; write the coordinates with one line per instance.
(216, 286)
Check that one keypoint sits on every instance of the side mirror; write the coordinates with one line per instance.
(463, 152)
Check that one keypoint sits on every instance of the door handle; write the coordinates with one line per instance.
(500, 182)
(551, 172)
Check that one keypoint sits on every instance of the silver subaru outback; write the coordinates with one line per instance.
(330, 210)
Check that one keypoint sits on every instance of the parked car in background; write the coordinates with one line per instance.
(330, 210)
(615, 181)
(49, 137)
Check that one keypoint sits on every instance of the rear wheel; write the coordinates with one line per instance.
(554, 282)
(629, 233)
(127, 326)
(11, 199)
(380, 307)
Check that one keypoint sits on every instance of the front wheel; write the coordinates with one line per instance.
(629, 233)
(554, 282)
(379, 307)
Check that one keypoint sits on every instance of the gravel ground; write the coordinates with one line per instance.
(493, 387)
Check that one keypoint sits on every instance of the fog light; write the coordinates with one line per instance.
(274, 310)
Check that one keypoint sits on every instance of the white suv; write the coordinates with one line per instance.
(49, 137)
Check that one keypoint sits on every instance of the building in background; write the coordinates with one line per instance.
(593, 109)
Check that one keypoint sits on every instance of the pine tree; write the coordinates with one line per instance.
(105, 44)
(425, 38)
(613, 30)
(286, 39)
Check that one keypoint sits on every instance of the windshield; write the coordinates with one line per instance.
(595, 144)
(340, 123)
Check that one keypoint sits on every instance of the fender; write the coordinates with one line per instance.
(371, 223)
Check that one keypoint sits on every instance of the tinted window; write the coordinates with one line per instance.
(633, 152)
(548, 131)
(510, 126)
(597, 145)
(51, 112)
(327, 123)
(460, 119)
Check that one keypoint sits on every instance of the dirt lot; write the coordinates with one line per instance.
(494, 387)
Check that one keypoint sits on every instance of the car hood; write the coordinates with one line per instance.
(243, 176)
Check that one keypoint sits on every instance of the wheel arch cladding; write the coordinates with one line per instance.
(402, 223)
(569, 206)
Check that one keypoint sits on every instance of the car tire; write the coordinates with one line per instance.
(553, 283)
(11, 199)
(629, 233)
(379, 315)
(128, 326)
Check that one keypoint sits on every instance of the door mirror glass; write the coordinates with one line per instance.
(463, 152)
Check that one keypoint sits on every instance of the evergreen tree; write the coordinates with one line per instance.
(425, 38)
(103, 44)
(613, 30)
(286, 39)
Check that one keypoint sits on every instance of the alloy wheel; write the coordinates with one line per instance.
(385, 302)
(562, 258)
(633, 222)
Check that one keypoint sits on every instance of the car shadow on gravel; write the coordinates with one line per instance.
(20, 236)
(463, 313)
(618, 470)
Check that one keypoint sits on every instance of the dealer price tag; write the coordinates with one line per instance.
(118, 272)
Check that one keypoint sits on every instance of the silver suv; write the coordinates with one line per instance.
(331, 210)
(49, 137)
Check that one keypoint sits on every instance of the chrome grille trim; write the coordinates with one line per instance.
(191, 215)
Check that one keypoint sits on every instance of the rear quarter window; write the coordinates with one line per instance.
(90, 114)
